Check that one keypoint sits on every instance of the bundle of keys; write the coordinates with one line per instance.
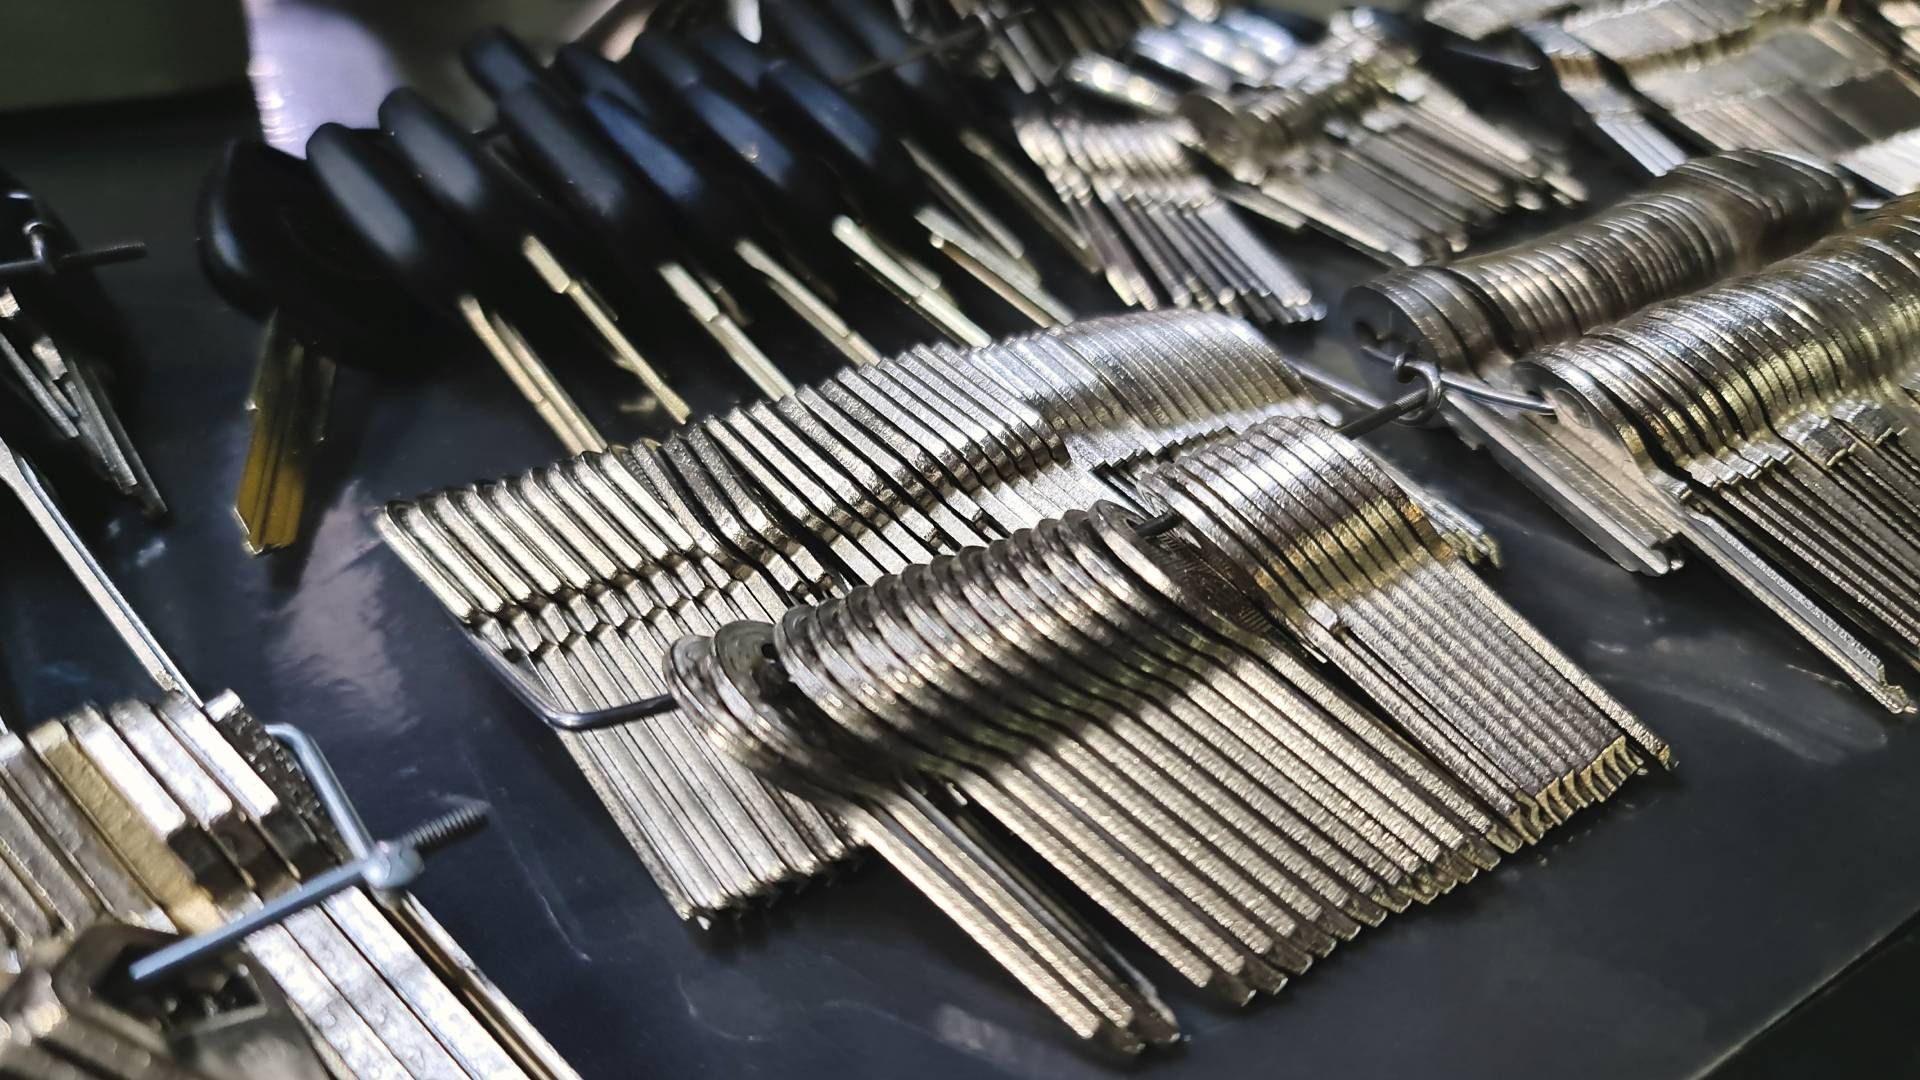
(1159, 226)
(1137, 209)
(1034, 45)
(1478, 20)
(175, 816)
(1789, 349)
(1122, 697)
(1706, 219)
(660, 178)
(1778, 413)
(1349, 135)
(70, 1014)
(1784, 75)
(1615, 114)
(57, 334)
(575, 579)
(832, 181)
(185, 815)
(1328, 546)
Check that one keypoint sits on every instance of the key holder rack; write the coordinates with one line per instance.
(56, 333)
(1412, 409)
(385, 867)
(51, 250)
(224, 808)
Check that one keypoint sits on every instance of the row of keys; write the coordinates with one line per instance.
(581, 575)
(1348, 135)
(1132, 703)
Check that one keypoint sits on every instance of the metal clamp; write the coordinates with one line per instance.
(384, 866)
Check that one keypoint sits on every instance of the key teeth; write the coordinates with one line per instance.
(1480, 852)
(1426, 888)
(1260, 975)
(1506, 836)
(1154, 1024)
(1394, 901)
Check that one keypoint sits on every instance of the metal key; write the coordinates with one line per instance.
(433, 260)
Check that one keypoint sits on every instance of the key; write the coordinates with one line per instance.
(953, 152)
(20, 478)
(276, 249)
(711, 222)
(56, 886)
(201, 812)
(71, 1019)
(885, 178)
(635, 109)
(144, 826)
(960, 878)
(473, 186)
(795, 198)
(68, 831)
(422, 248)
(605, 191)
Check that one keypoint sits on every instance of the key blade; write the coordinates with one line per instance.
(19, 476)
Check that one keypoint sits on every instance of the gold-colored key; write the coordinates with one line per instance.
(292, 391)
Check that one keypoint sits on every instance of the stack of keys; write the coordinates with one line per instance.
(55, 332)
(183, 814)
(824, 187)
(1802, 78)
(1478, 20)
(957, 146)
(1121, 710)
(174, 816)
(1348, 136)
(1033, 45)
(1776, 416)
(1328, 546)
(574, 579)
(1708, 218)
(1616, 115)
(1159, 227)
(1354, 138)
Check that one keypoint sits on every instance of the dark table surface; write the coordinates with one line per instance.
(1652, 938)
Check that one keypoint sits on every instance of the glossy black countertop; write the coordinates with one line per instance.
(1651, 938)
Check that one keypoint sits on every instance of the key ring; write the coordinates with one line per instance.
(1405, 369)
(43, 260)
